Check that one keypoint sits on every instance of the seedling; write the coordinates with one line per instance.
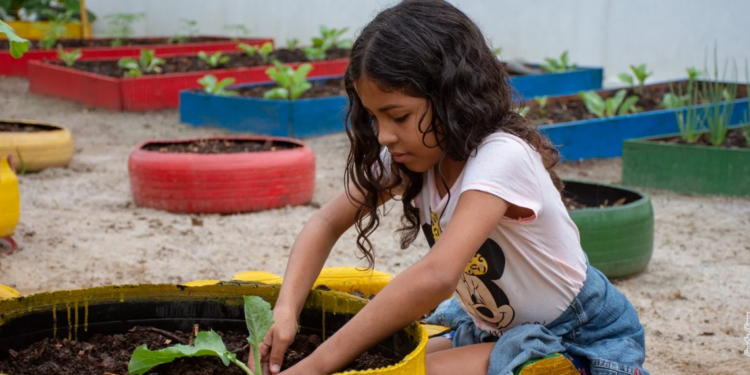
(121, 26)
(329, 38)
(497, 51)
(188, 29)
(640, 74)
(616, 105)
(69, 58)
(291, 83)
(314, 53)
(147, 63)
(264, 51)
(690, 119)
(211, 85)
(214, 60)
(239, 30)
(542, 101)
(55, 28)
(671, 100)
(18, 45)
(258, 317)
(557, 66)
(523, 111)
(291, 44)
(720, 97)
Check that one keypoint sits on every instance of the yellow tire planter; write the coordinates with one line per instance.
(80, 314)
(37, 150)
(342, 279)
(7, 292)
(10, 200)
(32, 30)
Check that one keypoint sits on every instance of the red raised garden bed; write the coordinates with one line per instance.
(19, 67)
(147, 92)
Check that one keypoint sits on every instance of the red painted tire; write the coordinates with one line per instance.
(222, 183)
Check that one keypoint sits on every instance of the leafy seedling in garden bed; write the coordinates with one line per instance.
(147, 63)
(690, 119)
(720, 97)
(264, 51)
(55, 28)
(239, 30)
(121, 26)
(69, 58)
(558, 66)
(211, 85)
(616, 105)
(329, 38)
(188, 29)
(258, 317)
(214, 60)
(542, 101)
(291, 44)
(640, 74)
(291, 83)
(18, 45)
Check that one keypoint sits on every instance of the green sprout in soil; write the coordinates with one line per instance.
(690, 119)
(55, 28)
(18, 45)
(523, 111)
(69, 58)
(616, 105)
(264, 51)
(121, 26)
(147, 63)
(291, 83)
(328, 39)
(720, 98)
(211, 85)
(188, 30)
(557, 66)
(542, 101)
(292, 44)
(640, 74)
(259, 318)
(215, 60)
(239, 30)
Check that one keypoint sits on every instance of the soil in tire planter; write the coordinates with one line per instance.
(111, 354)
(23, 128)
(320, 89)
(575, 110)
(735, 139)
(80, 43)
(184, 64)
(219, 146)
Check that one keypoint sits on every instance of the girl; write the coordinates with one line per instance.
(432, 121)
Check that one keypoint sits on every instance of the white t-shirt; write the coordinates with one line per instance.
(528, 271)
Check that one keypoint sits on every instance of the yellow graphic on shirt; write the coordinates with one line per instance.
(436, 232)
(477, 266)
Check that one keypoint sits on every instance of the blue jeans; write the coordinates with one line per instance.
(600, 324)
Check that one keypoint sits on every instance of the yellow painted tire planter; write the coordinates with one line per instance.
(341, 279)
(31, 30)
(80, 314)
(10, 205)
(7, 292)
(37, 150)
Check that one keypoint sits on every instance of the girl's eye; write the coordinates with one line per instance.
(401, 119)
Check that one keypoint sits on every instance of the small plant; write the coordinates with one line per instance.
(55, 28)
(291, 44)
(616, 105)
(690, 119)
(214, 60)
(258, 317)
(264, 51)
(239, 30)
(147, 63)
(671, 100)
(542, 101)
(188, 29)
(18, 45)
(720, 98)
(329, 38)
(291, 83)
(211, 85)
(640, 74)
(557, 66)
(497, 51)
(121, 26)
(69, 58)
(314, 53)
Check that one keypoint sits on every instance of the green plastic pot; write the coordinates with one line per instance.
(618, 241)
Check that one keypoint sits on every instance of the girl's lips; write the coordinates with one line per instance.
(399, 158)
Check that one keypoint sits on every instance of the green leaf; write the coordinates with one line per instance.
(18, 45)
(225, 82)
(594, 103)
(258, 317)
(128, 64)
(628, 105)
(671, 101)
(224, 60)
(614, 102)
(302, 71)
(206, 344)
(299, 89)
(564, 60)
(626, 78)
(279, 93)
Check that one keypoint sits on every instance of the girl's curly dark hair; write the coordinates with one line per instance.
(427, 49)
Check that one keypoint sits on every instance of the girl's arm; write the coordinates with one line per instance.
(415, 291)
(307, 257)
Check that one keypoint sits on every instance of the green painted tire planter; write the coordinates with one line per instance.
(618, 241)
(686, 168)
(80, 314)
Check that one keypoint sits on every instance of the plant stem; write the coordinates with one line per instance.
(256, 354)
(245, 368)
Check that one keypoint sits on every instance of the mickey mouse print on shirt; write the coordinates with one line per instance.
(477, 290)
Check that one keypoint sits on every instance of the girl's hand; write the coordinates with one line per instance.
(277, 340)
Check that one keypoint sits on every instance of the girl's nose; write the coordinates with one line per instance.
(386, 137)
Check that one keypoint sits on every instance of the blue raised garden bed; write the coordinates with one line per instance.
(550, 84)
(603, 137)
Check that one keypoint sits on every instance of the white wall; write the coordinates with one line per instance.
(668, 35)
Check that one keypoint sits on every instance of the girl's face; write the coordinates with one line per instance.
(396, 117)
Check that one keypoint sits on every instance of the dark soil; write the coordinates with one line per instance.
(320, 89)
(111, 354)
(22, 128)
(218, 146)
(80, 43)
(572, 204)
(559, 111)
(184, 64)
(735, 139)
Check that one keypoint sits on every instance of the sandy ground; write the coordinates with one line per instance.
(79, 228)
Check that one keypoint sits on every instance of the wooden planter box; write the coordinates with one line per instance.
(19, 67)
(143, 93)
(550, 84)
(603, 137)
(297, 118)
(686, 168)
